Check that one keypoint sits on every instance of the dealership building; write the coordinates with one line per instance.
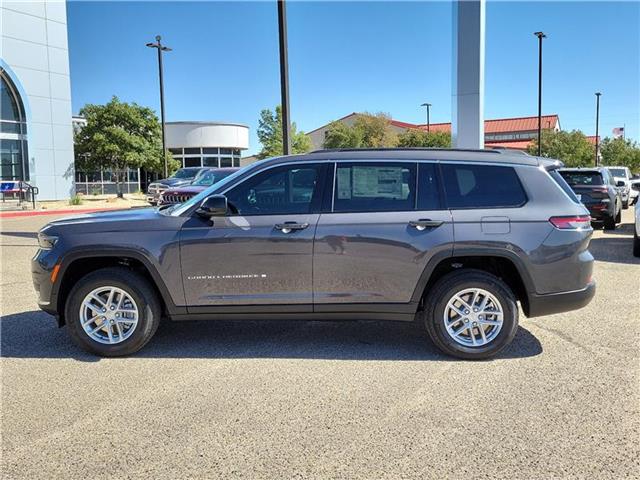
(36, 138)
(193, 144)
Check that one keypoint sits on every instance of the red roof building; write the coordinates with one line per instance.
(514, 133)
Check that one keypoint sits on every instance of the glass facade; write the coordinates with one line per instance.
(207, 156)
(104, 183)
(14, 157)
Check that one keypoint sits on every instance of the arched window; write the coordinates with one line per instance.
(14, 163)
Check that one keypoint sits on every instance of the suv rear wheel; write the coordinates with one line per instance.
(471, 314)
(112, 312)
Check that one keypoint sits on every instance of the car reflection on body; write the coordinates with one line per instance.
(205, 179)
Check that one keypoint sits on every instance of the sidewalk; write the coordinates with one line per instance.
(89, 205)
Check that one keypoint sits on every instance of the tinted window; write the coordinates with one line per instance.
(291, 189)
(374, 187)
(482, 186)
(582, 178)
(428, 191)
(618, 172)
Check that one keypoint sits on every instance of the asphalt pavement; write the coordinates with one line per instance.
(293, 399)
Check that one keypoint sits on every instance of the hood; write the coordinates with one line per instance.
(174, 182)
(185, 189)
(130, 220)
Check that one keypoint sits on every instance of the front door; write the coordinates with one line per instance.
(385, 224)
(261, 253)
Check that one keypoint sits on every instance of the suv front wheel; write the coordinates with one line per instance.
(471, 314)
(112, 312)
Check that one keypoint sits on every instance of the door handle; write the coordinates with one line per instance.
(288, 227)
(425, 223)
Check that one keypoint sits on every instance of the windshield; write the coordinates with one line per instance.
(185, 173)
(618, 172)
(209, 177)
(582, 178)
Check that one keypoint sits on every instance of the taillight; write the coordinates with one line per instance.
(574, 222)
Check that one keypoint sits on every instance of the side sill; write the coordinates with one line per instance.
(318, 316)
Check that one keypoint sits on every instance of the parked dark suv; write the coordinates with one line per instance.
(597, 190)
(453, 239)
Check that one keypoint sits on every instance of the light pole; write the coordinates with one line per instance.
(540, 36)
(161, 48)
(428, 105)
(284, 77)
(597, 125)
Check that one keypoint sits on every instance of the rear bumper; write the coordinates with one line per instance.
(540, 305)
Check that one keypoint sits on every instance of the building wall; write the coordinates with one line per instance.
(209, 144)
(34, 52)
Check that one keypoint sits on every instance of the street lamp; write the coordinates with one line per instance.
(161, 48)
(597, 125)
(428, 105)
(284, 77)
(540, 36)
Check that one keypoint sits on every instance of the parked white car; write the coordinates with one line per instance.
(622, 177)
(636, 232)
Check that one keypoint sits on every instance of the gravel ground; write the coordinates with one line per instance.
(324, 400)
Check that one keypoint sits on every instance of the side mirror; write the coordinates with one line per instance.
(619, 183)
(213, 206)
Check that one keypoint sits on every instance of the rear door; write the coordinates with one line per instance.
(383, 222)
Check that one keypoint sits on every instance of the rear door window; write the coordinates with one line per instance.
(374, 187)
(482, 186)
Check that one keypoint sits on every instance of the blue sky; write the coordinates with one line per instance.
(345, 57)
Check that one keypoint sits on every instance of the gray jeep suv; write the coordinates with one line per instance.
(452, 239)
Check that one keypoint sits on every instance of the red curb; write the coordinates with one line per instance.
(33, 213)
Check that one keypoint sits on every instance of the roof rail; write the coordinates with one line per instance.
(420, 149)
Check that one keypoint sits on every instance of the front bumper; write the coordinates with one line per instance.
(540, 305)
(41, 269)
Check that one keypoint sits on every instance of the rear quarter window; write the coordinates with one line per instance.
(482, 186)
(563, 185)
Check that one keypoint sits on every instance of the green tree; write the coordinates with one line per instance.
(419, 138)
(118, 136)
(341, 135)
(572, 148)
(270, 135)
(619, 151)
(368, 131)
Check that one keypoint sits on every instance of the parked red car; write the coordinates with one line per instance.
(205, 179)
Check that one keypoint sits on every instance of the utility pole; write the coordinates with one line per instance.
(597, 126)
(161, 48)
(540, 36)
(284, 77)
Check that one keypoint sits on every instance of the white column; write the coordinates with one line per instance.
(467, 127)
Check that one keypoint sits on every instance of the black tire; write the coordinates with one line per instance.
(625, 205)
(636, 245)
(454, 282)
(609, 223)
(137, 287)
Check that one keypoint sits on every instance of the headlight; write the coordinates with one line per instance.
(46, 242)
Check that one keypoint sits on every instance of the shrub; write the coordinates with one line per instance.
(75, 200)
